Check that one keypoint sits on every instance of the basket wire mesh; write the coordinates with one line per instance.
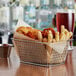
(37, 52)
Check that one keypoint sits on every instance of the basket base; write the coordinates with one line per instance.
(42, 65)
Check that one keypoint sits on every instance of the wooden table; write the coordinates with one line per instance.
(12, 67)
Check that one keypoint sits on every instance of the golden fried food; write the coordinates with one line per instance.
(62, 28)
(31, 35)
(62, 36)
(35, 32)
(24, 30)
(57, 36)
(47, 35)
(66, 34)
(50, 36)
(40, 36)
(28, 31)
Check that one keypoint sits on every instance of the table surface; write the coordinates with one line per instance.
(12, 67)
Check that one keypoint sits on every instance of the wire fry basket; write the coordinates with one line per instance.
(38, 52)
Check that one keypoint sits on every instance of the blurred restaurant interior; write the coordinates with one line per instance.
(38, 14)
(37, 37)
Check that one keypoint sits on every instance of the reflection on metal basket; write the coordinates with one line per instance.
(38, 52)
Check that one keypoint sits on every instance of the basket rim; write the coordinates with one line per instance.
(36, 41)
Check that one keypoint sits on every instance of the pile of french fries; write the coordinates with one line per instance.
(37, 34)
(64, 35)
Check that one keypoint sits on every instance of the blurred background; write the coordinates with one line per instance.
(38, 14)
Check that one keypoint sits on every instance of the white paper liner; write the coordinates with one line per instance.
(21, 23)
(58, 46)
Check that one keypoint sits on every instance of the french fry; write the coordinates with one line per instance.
(62, 36)
(66, 34)
(50, 36)
(40, 36)
(66, 31)
(57, 36)
(45, 40)
(62, 28)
